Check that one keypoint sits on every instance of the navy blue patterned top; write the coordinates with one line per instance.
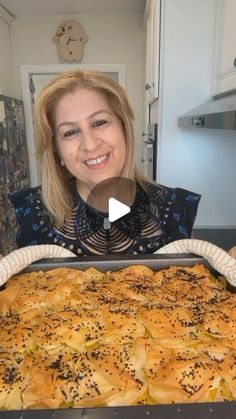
(158, 216)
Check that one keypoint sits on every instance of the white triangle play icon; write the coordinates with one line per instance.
(116, 209)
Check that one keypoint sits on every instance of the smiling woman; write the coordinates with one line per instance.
(90, 138)
(85, 137)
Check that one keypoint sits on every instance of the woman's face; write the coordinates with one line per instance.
(89, 137)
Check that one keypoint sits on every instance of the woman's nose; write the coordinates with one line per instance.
(89, 140)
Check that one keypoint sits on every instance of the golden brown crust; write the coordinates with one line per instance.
(12, 381)
(70, 338)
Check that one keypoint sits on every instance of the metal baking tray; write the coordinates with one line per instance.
(214, 410)
(117, 262)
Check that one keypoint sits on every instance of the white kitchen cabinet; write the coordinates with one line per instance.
(152, 25)
(224, 71)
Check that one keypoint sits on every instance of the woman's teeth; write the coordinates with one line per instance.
(99, 160)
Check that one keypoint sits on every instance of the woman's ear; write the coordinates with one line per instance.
(59, 160)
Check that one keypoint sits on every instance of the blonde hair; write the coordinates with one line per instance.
(54, 176)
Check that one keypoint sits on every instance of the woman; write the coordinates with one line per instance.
(85, 136)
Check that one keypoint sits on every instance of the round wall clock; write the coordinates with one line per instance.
(70, 38)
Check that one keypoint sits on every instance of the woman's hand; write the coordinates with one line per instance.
(1, 256)
(232, 252)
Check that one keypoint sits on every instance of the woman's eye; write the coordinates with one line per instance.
(99, 123)
(70, 133)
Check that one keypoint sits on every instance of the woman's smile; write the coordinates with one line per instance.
(100, 162)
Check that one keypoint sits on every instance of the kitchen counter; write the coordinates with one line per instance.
(222, 237)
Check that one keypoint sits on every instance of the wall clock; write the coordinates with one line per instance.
(70, 38)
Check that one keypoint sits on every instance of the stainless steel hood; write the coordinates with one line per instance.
(217, 113)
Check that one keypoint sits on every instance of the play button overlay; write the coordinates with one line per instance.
(116, 209)
(113, 198)
(117, 212)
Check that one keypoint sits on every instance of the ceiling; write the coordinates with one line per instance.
(19, 8)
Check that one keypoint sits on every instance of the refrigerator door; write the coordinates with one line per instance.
(14, 167)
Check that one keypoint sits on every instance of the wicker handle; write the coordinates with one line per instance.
(218, 258)
(20, 258)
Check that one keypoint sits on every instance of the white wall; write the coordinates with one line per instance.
(202, 160)
(6, 80)
(112, 38)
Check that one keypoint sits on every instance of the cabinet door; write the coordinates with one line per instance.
(224, 74)
(152, 49)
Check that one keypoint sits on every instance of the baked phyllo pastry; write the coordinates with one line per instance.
(71, 338)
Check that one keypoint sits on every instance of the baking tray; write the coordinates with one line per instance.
(214, 410)
(117, 262)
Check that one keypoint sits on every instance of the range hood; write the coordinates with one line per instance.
(217, 113)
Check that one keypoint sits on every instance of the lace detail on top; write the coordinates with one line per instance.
(158, 216)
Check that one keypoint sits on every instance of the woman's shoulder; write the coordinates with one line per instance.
(171, 193)
(31, 215)
(25, 197)
(177, 207)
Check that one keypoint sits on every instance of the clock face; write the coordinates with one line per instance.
(70, 39)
